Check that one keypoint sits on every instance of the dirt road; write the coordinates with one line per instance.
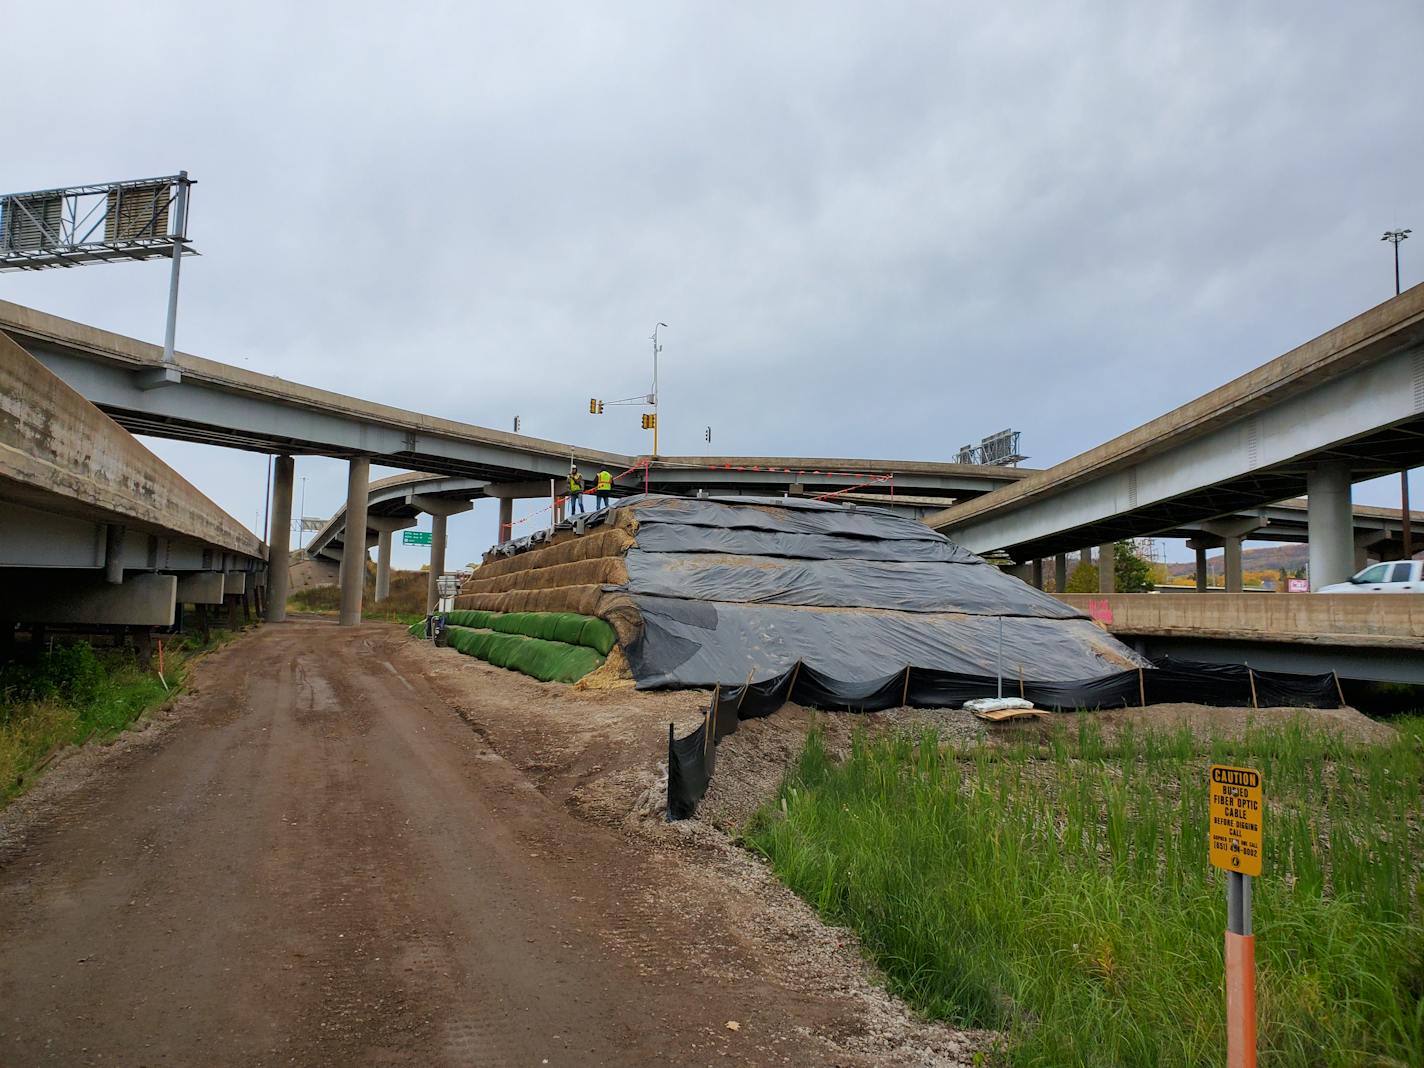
(321, 863)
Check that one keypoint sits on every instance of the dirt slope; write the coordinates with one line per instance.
(319, 861)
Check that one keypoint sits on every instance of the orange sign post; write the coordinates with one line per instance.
(1235, 844)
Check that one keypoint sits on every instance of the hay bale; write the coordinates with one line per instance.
(610, 542)
(582, 600)
(603, 570)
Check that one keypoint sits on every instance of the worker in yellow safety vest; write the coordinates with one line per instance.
(603, 490)
(575, 490)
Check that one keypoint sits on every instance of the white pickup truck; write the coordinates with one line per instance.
(1392, 576)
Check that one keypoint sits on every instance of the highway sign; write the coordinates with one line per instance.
(415, 537)
(1235, 812)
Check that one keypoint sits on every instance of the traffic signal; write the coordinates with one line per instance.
(650, 422)
(595, 406)
(516, 424)
(707, 434)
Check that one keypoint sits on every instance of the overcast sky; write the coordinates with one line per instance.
(876, 230)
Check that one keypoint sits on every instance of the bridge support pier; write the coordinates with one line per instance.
(1332, 524)
(1231, 553)
(1201, 568)
(437, 560)
(353, 554)
(1036, 575)
(279, 539)
(506, 520)
(1107, 575)
(1060, 573)
(383, 564)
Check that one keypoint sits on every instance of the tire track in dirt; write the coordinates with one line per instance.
(322, 864)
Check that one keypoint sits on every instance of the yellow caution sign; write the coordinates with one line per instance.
(1236, 811)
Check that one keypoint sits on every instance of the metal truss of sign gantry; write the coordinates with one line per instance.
(135, 220)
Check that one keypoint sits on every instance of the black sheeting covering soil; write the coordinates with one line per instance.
(731, 588)
(692, 760)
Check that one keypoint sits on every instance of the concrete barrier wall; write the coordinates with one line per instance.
(1303, 617)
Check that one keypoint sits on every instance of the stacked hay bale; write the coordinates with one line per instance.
(566, 575)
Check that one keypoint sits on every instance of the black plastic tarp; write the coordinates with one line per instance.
(908, 586)
(727, 587)
(789, 515)
(704, 643)
(691, 760)
(745, 541)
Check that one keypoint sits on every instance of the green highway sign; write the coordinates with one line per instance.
(415, 537)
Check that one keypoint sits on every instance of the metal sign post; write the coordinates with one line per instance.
(1236, 811)
(102, 223)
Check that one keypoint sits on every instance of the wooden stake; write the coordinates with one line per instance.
(905, 692)
(1339, 689)
(1021, 685)
(743, 696)
(1141, 688)
(1252, 676)
(795, 674)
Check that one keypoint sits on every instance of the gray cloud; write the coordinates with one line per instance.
(877, 231)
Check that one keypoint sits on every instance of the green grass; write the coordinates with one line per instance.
(71, 695)
(1060, 892)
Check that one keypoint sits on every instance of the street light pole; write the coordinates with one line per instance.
(657, 348)
(1394, 237)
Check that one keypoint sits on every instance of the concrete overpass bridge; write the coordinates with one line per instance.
(205, 401)
(1378, 534)
(94, 529)
(1345, 407)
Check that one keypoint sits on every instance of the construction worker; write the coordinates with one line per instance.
(603, 490)
(575, 490)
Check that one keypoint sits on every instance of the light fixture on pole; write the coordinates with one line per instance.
(1394, 237)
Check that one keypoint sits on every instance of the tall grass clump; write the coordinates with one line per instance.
(1061, 893)
(71, 694)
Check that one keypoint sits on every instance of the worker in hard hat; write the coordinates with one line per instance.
(603, 490)
(575, 490)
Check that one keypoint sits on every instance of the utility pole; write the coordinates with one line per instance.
(1394, 237)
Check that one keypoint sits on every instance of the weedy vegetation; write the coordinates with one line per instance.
(1058, 890)
(75, 693)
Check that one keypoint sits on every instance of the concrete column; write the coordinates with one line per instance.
(1060, 573)
(1332, 524)
(437, 561)
(383, 564)
(279, 539)
(353, 552)
(114, 553)
(1107, 580)
(1231, 549)
(506, 519)
(1201, 569)
(1036, 575)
